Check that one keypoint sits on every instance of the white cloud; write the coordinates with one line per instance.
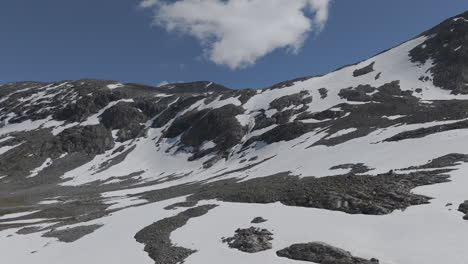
(238, 32)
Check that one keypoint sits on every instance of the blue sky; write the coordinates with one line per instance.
(62, 39)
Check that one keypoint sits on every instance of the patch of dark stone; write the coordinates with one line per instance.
(250, 240)
(445, 46)
(357, 168)
(378, 76)
(365, 70)
(219, 125)
(25, 106)
(258, 220)
(463, 207)
(322, 253)
(116, 160)
(94, 139)
(323, 93)
(284, 132)
(156, 237)
(69, 235)
(151, 107)
(249, 166)
(389, 92)
(169, 113)
(353, 194)
(322, 115)
(181, 204)
(292, 99)
(448, 160)
(423, 132)
(75, 211)
(194, 87)
(290, 82)
(87, 105)
(243, 95)
(125, 117)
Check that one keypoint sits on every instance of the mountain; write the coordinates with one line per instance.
(366, 164)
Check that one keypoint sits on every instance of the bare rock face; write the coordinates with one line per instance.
(446, 46)
(250, 240)
(125, 117)
(94, 139)
(322, 253)
(258, 220)
(464, 209)
(368, 69)
(218, 125)
(289, 100)
(87, 105)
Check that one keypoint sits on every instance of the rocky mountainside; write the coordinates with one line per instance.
(366, 164)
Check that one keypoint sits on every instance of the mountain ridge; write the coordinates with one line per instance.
(178, 168)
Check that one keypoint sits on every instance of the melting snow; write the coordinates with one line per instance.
(44, 165)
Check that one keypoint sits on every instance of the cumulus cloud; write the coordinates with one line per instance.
(238, 32)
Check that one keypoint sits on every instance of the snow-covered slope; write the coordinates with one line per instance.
(368, 159)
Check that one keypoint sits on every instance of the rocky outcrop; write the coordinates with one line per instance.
(219, 125)
(464, 209)
(423, 132)
(446, 47)
(353, 194)
(250, 240)
(321, 253)
(368, 69)
(125, 117)
(156, 237)
(72, 234)
(95, 139)
(86, 106)
(258, 220)
(290, 100)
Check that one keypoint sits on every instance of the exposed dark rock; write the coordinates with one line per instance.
(354, 168)
(292, 99)
(290, 82)
(463, 207)
(194, 87)
(156, 236)
(322, 253)
(442, 162)
(368, 69)
(446, 46)
(151, 107)
(262, 121)
(360, 93)
(170, 112)
(184, 122)
(250, 240)
(121, 115)
(125, 117)
(95, 139)
(323, 93)
(423, 132)
(323, 115)
(72, 234)
(258, 220)
(219, 125)
(86, 106)
(353, 194)
(283, 132)
(181, 204)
